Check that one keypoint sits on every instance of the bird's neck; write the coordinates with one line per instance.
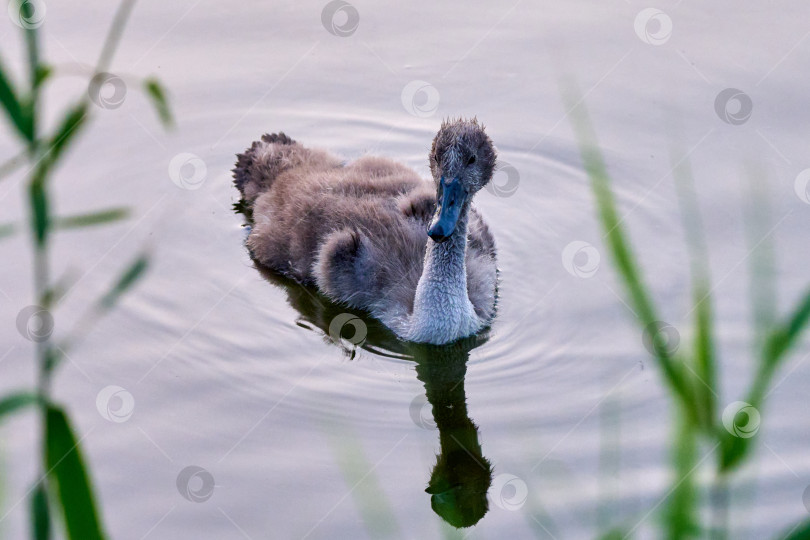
(442, 310)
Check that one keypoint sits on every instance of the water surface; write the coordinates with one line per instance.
(233, 372)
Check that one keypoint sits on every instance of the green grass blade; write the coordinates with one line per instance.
(40, 218)
(13, 107)
(57, 291)
(38, 199)
(157, 94)
(375, 509)
(92, 218)
(705, 364)
(619, 247)
(680, 513)
(786, 335)
(16, 402)
(128, 278)
(32, 48)
(704, 351)
(43, 74)
(798, 532)
(68, 476)
(7, 229)
(12, 164)
(40, 515)
(30, 104)
(617, 533)
(778, 344)
(68, 128)
(114, 35)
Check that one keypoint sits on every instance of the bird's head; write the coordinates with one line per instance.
(461, 161)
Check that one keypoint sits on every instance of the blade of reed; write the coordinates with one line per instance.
(11, 105)
(90, 219)
(157, 95)
(680, 513)
(376, 510)
(67, 475)
(7, 229)
(704, 361)
(40, 514)
(780, 341)
(623, 257)
(798, 532)
(17, 401)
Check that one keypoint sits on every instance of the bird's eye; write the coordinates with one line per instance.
(471, 160)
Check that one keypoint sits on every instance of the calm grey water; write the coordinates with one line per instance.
(232, 373)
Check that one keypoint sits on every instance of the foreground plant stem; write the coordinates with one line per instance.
(719, 497)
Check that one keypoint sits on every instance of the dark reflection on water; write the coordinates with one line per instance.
(462, 476)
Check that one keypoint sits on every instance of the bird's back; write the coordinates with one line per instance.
(357, 231)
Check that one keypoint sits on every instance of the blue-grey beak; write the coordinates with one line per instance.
(451, 198)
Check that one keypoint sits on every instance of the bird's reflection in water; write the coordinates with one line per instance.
(462, 475)
(460, 479)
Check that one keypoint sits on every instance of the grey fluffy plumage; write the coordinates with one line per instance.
(358, 231)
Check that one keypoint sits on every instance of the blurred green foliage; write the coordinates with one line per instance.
(64, 485)
(691, 374)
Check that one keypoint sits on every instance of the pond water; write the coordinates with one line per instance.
(295, 436)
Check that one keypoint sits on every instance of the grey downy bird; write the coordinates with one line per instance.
(373, 235)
